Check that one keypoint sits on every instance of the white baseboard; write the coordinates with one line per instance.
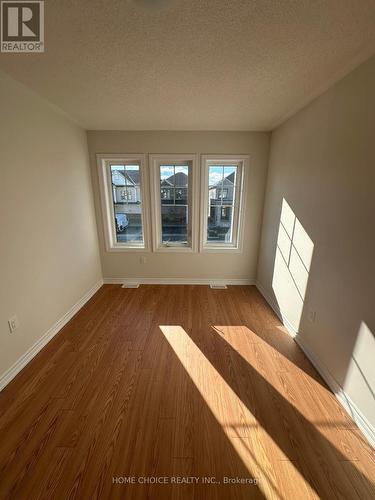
(178, 281)
(9, 374)
(345, 400)
(339, 392)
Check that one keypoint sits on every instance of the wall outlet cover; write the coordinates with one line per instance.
(13, 323)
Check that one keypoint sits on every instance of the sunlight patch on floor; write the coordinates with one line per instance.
(237, 422)
(280, 373)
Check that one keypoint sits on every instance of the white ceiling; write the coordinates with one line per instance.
(193, 64)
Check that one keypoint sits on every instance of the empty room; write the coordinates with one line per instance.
(187, 249)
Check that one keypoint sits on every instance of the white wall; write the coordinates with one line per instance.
(321, 182)
(48, 252)
(195, 265)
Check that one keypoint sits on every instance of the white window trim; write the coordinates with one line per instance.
(243, 162)
(105, 185)
(154, 161)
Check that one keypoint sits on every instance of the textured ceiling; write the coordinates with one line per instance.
(193, 64)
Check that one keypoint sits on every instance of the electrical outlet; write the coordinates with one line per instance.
(312, 316)
(13, 323)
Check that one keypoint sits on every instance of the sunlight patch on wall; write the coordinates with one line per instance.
(293, 257)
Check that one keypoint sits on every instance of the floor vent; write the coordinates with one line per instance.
(218, 286)
(130, 285)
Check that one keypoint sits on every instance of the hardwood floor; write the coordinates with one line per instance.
(177, 382)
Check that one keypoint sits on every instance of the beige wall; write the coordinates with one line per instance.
(196, 265)
(47, 262)
(322, 163)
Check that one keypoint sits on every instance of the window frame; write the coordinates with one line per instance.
(155, 160)
(106, 196)
(242, 162)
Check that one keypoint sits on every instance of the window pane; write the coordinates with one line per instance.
(181, 196)
(174, 223)
(174, 186)
(229, 183)
(220, 220)
(181, 176)
(222, 187)
(215, 176)
(127, 203)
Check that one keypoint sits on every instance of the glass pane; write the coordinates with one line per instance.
(215, 176)
(181, 196)
(221, 198)
(166, 172)
(215, 184)
(220, 221)
(174, 223)
(229, 183)
(127, 203)
(181, 176)
(174, 186)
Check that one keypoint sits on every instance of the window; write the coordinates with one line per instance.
(174, 202)
(174, 184)
(222, 200)
(122, 183)
(224, 193)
